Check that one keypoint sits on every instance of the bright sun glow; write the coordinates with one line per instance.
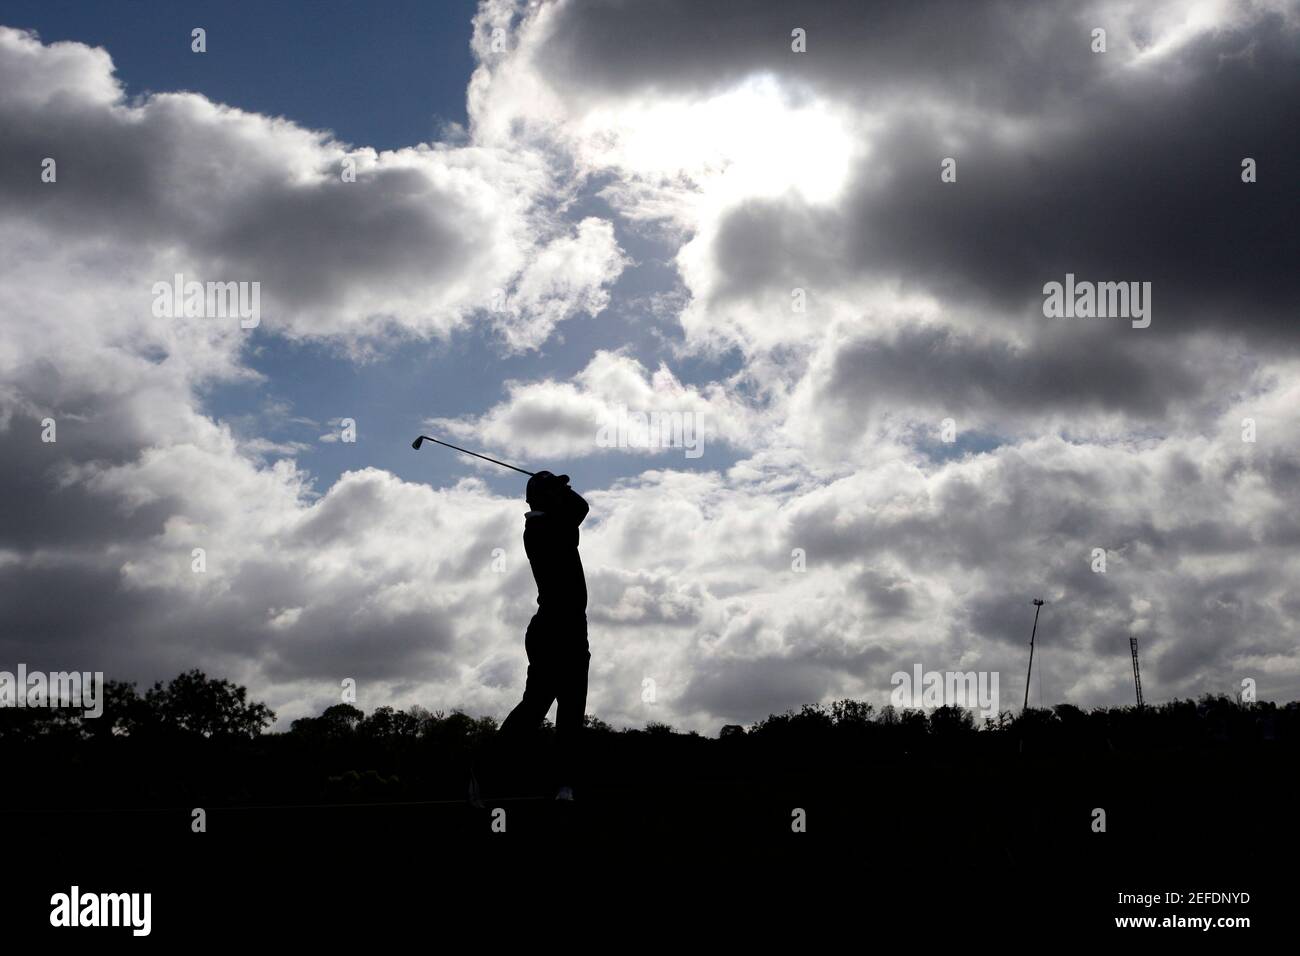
(750, 141)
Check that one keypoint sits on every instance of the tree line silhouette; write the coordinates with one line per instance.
(200, 740)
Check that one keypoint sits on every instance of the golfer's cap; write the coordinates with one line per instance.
(536, 484)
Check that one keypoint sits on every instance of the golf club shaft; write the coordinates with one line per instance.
(466, 451)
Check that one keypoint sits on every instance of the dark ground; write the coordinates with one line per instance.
(927, 827)
(959, 848)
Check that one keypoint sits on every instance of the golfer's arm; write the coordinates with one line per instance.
(575, 506)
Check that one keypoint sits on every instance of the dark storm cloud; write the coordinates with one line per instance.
(75, 615)
(155, 181)
(1046, 510)
(1116, 171)
(39, 510)
(329, 644)
(1145, 185)
(747, 689)
(418, 239)
(888, 595)
(1204, 585)
(824, 658)
(1217, 626)
(73, 604)
(934, 370)
(954, 48)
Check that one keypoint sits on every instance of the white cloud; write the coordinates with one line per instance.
(417, 245)
(597, 412)
(909, 558)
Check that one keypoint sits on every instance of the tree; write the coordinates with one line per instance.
(196, 703)
(125, 711)
(951, 719)
(341, 719)
(851, 713)
(386, 722)
(596, 725)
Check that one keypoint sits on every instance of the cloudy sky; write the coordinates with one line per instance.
(567, 210)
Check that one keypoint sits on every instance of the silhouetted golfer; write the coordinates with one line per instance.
(556, 641)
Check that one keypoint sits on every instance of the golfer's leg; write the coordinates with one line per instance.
(571, 711)
(539, 694)
(521, 725)
(539, 685)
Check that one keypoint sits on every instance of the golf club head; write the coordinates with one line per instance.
(416, 444)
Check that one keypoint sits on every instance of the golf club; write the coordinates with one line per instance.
(423, 438)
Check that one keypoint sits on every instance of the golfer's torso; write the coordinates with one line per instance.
(552, 549)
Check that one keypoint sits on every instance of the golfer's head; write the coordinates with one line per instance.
(544, 488)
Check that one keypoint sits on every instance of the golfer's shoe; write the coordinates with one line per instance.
(564, 794)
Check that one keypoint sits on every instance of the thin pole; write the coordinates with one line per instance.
(1137, 674)
(1038, 606)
